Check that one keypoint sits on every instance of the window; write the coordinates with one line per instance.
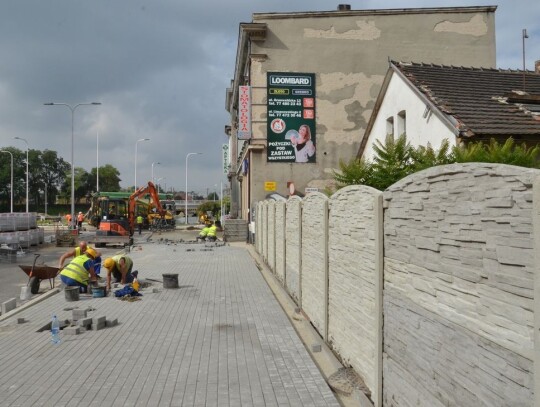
(390, 126)
(401, 123)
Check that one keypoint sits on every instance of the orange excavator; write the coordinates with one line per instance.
(118, 224)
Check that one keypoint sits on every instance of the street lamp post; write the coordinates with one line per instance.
(97, 162)
(186, 197)
(136, 143)
(26, 142)
(157, 182)
(11, 154)
(72, 108)
(153, 171)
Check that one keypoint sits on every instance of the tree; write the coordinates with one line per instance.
(395, 159)
(109, 178)
(49, 176)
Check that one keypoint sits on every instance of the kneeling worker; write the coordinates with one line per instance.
(203, 233)
(212, 233)
(119, 267)
(81, 249)
(75, 274)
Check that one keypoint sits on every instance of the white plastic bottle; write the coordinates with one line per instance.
(55, 330)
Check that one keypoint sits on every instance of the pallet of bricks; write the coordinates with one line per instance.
(66, 237)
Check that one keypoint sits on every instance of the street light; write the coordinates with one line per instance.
(186, 197)
(157, 182)
(136, 143)
(153, 171)
(26, 142)
(11, 154)
(97, 162)
(72, 108)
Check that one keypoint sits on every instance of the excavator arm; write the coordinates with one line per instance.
(132, 203)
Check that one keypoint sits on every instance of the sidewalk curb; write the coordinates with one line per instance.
(30, 303)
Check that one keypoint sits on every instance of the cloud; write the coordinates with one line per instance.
(160, 69)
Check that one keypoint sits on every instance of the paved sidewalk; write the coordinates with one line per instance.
(221, 339)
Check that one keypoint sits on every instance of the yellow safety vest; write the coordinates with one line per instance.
(76, 270)
(204, 232)
(78, 251)
(212, 230)
(139, 219)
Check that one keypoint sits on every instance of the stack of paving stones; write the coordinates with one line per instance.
(81, 320)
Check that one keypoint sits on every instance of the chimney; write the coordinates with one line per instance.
(537, 66)
(344, 7)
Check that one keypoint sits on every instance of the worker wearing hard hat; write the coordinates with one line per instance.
(77, 251)
(119, 267)
(78, 271)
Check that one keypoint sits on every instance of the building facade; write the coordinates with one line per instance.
(346, 52)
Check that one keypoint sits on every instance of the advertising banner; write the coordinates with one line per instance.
(291, 117)
(244, 113)
(225, 155)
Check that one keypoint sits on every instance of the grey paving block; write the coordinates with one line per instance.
(72, 330)
(111, 322)
(79, 314)
(9, 305)
(85, 322)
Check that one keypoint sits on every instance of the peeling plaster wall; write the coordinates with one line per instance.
(349, 54)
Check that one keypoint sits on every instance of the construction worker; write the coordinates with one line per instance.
(119, 267)
(76, 273)
(140, 221)
(212, 233)
(77, 251)
(203, 233)
(80, 219)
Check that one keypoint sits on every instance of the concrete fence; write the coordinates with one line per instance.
(431, 287)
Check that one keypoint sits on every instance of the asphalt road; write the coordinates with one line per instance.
(12, 278)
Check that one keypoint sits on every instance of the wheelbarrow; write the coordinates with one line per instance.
(38, 273)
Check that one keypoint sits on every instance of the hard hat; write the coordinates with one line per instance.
(108, 263)
(91, 252)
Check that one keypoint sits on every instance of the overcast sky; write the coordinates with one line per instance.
(160, 69)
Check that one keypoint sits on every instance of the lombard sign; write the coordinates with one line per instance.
(244, 113)
(291, 117)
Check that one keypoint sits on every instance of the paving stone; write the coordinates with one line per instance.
(9, 305)
(79, 314)
(72, 330)
(85, 322)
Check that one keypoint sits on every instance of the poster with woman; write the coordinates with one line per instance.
(291, 117)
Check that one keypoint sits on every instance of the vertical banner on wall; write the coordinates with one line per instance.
(291, 117)
(225, 155)
(244, 113)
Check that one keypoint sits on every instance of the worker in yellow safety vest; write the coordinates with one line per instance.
(77, 251)
(119, 267)
(140, 221)
(77, 272)
(203, 233)
(212, 233)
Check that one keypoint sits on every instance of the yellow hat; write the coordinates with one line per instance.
(91, 253)
(109, 263)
